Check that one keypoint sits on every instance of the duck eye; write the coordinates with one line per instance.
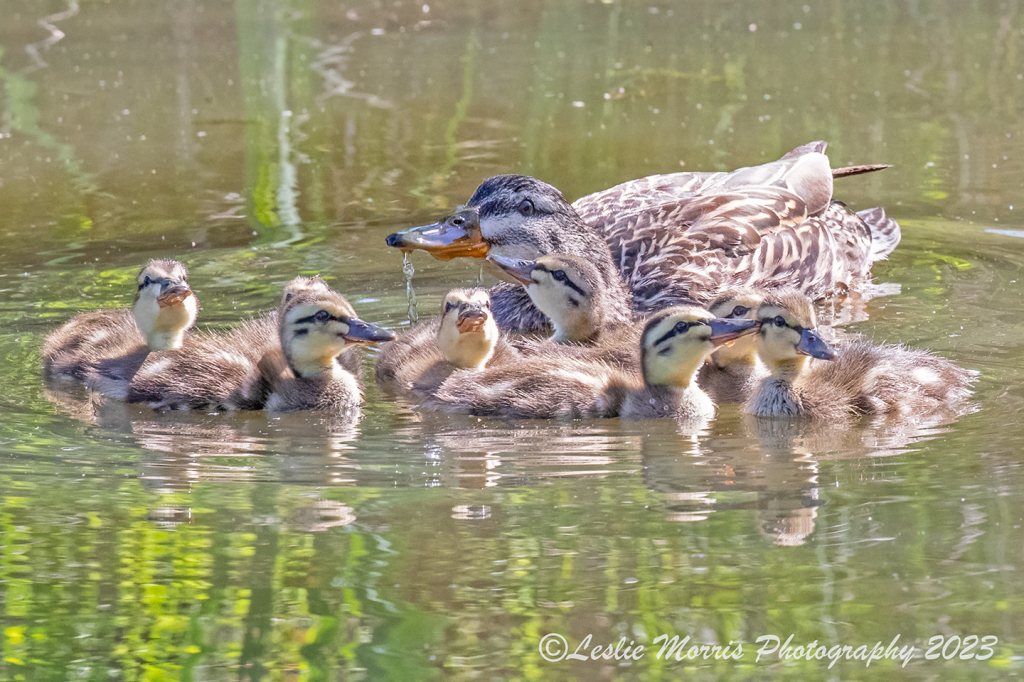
(146, 282)
(526, 208)
(779, 321)
(560, 275)
(682, 327)
(457, 220)
(322, 316)
(739, 311)
(448, 307)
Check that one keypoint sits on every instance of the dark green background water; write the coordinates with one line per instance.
(258, 139)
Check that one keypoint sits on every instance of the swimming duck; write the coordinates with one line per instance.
(859, 378)
(551, 385)
(118, 341)
(674, 345)
(732, 371)
(463, 336)
(284, 360)
(675, 238)
(316, 328)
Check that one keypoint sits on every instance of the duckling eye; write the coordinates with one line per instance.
(779, 321)
(526, 208)
(322, 316)
(739, 311)
(681, 327)
(448, 307)
(145, 283)
(559, 275)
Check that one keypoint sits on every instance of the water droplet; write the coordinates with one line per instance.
(410, 294)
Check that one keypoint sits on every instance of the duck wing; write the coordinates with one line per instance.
(681, 237)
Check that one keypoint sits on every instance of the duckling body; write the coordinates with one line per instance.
(859, 378)
(117, 342)
(463, 336)
(677, 238)
(534, 388)
(212, 372)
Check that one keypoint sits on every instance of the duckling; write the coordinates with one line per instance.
(676, 238)
(732, 371)
(533, 387)
(118, 341)
(544, 385)
(281, 360)
(463, 336)
(583, 302)
(316, 328)
(674, 345)
(860, 378)
(591, 315)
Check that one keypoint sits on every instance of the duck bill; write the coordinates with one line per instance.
(364, 332)
(727, 330)
(173, 295)
(811, 344)
(518, 269)
(457, 236)
(471, 320)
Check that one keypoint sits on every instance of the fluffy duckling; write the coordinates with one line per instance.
(282, 361)
(732, 371)
(463, 336)
(316, 327)
(118, 341)
(674, 345)
(547, 385)
(591, 315)
(583, 302)
(860, 378)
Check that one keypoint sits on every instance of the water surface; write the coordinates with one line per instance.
(258, 139)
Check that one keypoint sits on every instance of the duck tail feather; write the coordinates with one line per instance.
(885, 232)
(847, 171)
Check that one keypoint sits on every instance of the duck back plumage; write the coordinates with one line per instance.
(682, 237)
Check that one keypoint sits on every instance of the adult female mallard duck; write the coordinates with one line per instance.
(550, 385)
(859, 378)
(288, 360)
(675, 238)
(118, 341)
(733, 370)
(463, 336)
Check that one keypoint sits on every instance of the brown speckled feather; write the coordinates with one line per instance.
(684, 236)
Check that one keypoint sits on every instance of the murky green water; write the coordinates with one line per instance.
(262, 138)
